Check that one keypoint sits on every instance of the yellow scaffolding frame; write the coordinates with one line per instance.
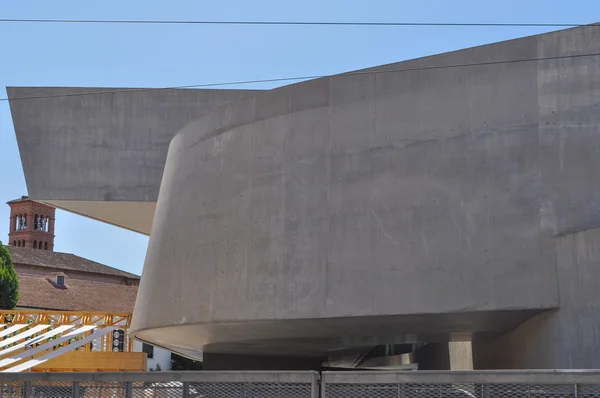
(122, 320)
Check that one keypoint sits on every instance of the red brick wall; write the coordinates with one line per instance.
(31, 235)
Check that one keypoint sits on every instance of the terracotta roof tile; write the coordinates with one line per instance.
(66, 261)
(37, 291)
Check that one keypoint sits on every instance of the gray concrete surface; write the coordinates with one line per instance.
(324, 217)
(567, 338)
(345, 208)
(102, 154)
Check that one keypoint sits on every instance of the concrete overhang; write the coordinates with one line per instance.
(100, 152)
(332, 337)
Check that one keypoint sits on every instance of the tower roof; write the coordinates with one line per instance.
(21, 199)
(26, 199)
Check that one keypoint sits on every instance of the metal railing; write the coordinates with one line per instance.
(490, 384)
(352, 384)
(160, 385)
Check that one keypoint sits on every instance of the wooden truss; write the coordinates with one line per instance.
(29, 338)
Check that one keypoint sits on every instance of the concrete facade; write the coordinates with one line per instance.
(424, 201)
(568, 337)
(102, 154)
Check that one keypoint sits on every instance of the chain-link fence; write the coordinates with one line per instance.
(160, 385)
(504, 384)
(352, 384)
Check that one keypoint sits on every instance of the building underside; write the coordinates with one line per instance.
(447, 198)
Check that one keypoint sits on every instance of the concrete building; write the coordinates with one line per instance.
(55, 281)
(452, 198)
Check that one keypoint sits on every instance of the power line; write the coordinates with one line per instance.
(281, 79)
(289, 23)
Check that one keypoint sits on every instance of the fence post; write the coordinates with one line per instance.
(314, 385)
(128, 389)
(75, 389)
(186, 389)
(27, 389)
(323, 386)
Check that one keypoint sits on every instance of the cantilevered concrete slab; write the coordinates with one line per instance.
(415, 202)
(102, 154)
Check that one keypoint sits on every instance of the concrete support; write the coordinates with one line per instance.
(461, 355)
(568, 338)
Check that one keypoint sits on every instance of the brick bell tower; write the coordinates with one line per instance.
(31, 224)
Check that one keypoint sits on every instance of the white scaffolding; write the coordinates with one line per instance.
(31, 338)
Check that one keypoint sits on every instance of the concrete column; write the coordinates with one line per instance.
(461, 355)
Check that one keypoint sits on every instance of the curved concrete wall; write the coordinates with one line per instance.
(383, 205)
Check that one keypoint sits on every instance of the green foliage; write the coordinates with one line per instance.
(180, 363)
(9, 282)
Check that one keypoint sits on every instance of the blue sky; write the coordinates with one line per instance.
(160, 56)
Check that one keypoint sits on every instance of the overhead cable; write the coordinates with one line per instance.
(291, 23)
(296, 78)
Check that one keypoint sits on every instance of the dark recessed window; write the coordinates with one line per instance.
(60, 280)
(148, 349)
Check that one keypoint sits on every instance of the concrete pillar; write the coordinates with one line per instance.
(461, 355)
